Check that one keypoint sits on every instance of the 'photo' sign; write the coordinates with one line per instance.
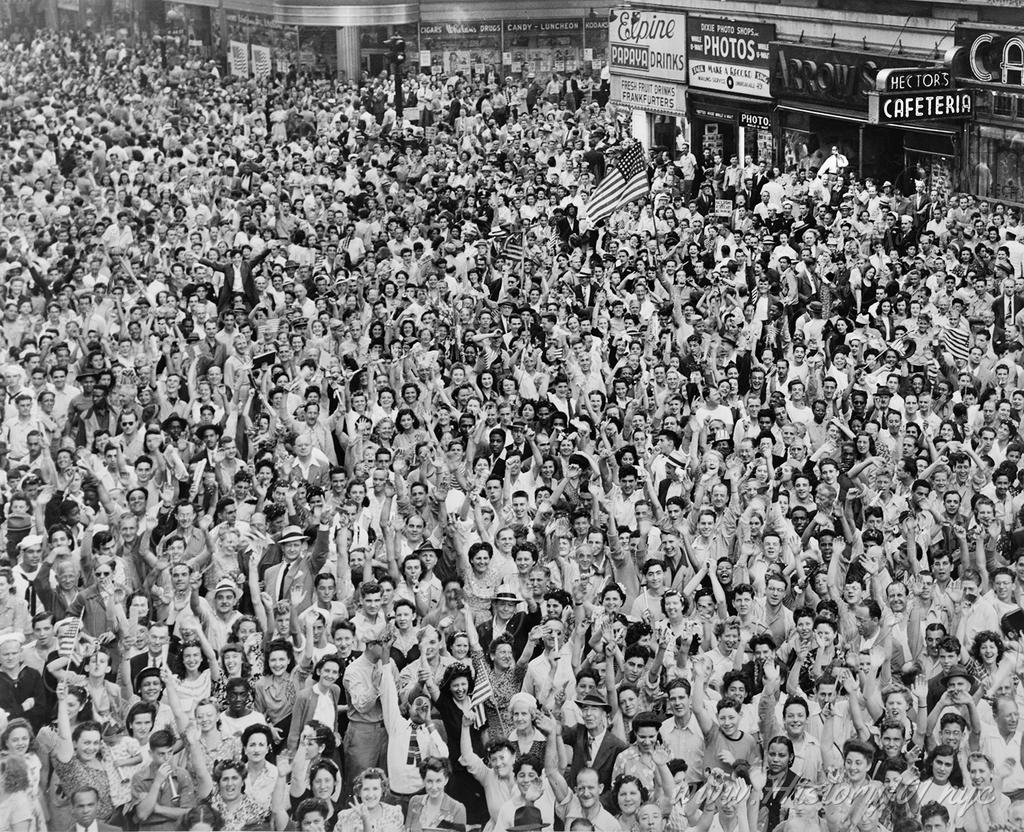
(647, 44)
(729, 55)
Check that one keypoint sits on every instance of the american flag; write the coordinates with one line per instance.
(261, 62)
(481, 694)
(513, 248)
(625, 182)
(239, 55)
(957, 342)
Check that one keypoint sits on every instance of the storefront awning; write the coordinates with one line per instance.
(839, 114)
(822, 111)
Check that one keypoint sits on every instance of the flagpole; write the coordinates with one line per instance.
(522, 258)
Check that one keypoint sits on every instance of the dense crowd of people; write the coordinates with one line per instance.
(354, 478)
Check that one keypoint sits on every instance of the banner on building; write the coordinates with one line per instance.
(239, 59)
(262, 64)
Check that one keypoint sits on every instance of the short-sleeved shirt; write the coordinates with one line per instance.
(743, 747)
(178, 791)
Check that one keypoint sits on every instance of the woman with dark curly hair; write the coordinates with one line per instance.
(452, 698)
(320, 781)
(986, 654)
(628, 795)
(223, 790)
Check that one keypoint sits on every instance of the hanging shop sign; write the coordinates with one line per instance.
(827, 76)
(729, 55)
(903, 108)
(646, 44)
(990, 56)
(912, 79)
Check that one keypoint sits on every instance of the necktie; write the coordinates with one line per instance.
(413, 757)
(284, 581)
(590, 748)
(30, 594)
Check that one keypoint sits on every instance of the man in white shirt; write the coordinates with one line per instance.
(410, 739)
(1002, 744)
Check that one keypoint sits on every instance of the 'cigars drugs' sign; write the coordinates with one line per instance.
(729, 55)
(647, 44)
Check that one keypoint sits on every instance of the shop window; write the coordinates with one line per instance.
(1013, 62)
(998, 171)
(1002, 104)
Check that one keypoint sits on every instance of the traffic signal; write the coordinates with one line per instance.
(396, 49)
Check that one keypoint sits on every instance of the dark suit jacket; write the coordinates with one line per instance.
(518, 630)
(248, 284)
(100, 827)
(804, 289)
(305, 706)
(604, 760)
(1000, 310)
(922, 209)
(136, 664)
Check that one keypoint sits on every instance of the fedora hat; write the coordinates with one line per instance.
(527, 819)
(505, 592)
(293, 534)
(958, 671)
(594, 700)
(227, 585)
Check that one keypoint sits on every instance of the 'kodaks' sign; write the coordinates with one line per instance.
(647, 44)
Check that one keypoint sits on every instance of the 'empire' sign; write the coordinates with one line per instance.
(900, 108)
(649, 45)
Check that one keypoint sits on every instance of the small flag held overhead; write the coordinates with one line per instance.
(626, 182)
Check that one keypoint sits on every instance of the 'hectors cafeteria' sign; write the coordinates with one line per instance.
(902, 108)
(826, 76)
(647, 45)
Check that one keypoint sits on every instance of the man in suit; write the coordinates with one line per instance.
(921, 205)
(593, 745)
(584, 289)
(1006, 307)
(595, 162)
(85, 804)
(298, 568)
(161, 652)
(238, 279)
(507, 621)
